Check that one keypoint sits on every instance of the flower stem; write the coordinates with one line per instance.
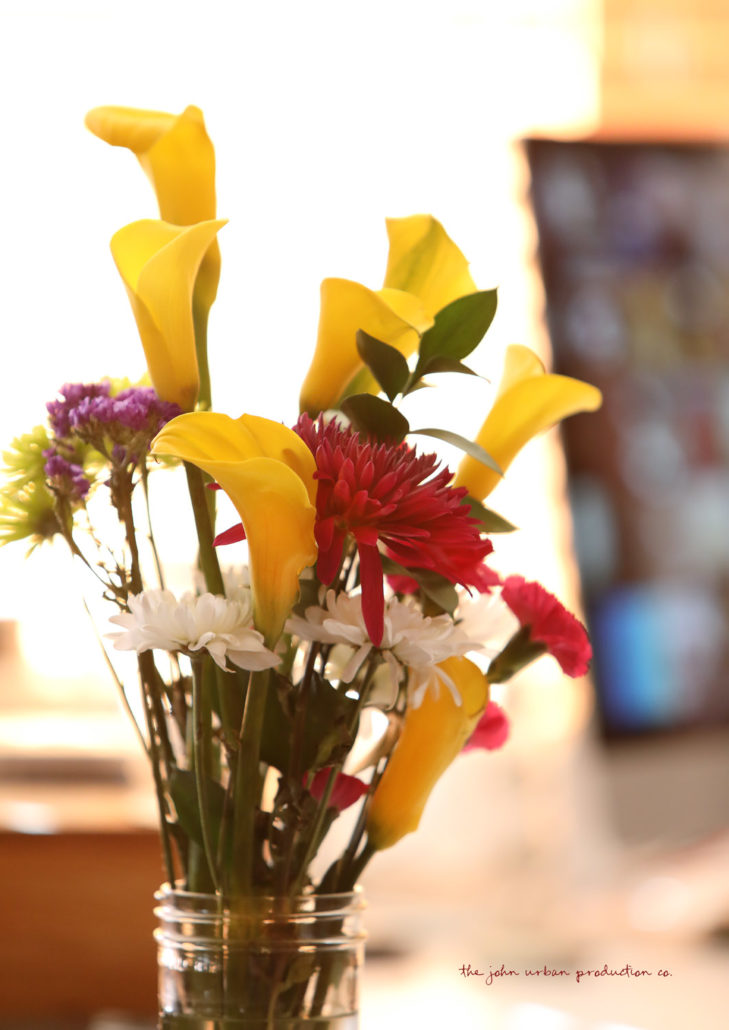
(247, 781)
(156, 763)
(201, 756)
(150, 529)
(203, 525)
(117, 680)
(316, 836)
(200, 324)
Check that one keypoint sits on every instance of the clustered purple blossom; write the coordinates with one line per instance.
(127, 421)
(60, 412)
(88, 405)
(66, 476)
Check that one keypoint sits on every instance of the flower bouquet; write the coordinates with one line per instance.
(348, 662)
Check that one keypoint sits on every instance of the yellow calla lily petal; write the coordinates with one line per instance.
(278, 517)
(177, 156)
(412, 310)
(204, 436)
(433, 735)
(256, 462)
(175, 151)
(278, 441)
(528, 401)
(347, 306)
(424, 261)
(425, 272)
(200, 436)
(159, 263)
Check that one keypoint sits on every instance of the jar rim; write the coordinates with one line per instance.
(168, 893)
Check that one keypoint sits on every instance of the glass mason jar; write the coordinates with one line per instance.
(258, 963)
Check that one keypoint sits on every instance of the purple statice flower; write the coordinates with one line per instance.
(71, 395)
(66, 476)
(122, 425)
(137, 409)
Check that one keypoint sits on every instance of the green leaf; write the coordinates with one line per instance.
(458, 328)
(490, 521)
(447, 365)
(278, 723)
(386, 363)
(183, 792)
(375, 417)
(436, 587)
(469, 446)
(327, 737)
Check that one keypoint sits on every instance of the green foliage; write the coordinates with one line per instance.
(386, 363)
(376, 418)
(490, 521)
(436, 588)
(326, 724)
(458, 329)
(463, 443)
(183, 791)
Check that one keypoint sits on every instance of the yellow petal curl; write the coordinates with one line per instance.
(433, 735)
(159, 263)
(175, 151)
(425, 261)
(528, 401)
(425, 272)
(259, 464)
(178, 157)
(347, 306)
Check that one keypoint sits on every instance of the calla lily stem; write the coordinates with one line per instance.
(203, 525)
(247, 782)
(201, 756)
(200, 321)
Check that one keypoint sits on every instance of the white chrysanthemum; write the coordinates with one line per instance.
(236, 580)
(221, 626)
(410, 640)
(489, 620)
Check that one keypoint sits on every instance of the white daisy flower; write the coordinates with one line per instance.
(236, 581)
(410, 639)
(489, 620)
(221, 626)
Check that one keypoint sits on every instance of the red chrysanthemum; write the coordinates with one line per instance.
(492, 729)
(387, 494)
(549, 623)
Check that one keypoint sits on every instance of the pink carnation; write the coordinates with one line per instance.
(549, 623)
(492, 730)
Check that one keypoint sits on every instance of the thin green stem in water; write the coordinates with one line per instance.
(201, 762)
(248, 781)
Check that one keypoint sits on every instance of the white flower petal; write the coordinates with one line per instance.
(222, 626)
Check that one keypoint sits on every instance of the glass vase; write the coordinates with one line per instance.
(259, 963)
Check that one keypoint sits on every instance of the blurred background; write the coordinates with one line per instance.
(578, 153)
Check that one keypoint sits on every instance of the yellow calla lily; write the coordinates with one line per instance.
(178, 158)
(433, 735)
(424, 260)
(425, 271)
(159, 263)
(346, 306)
(175, 152)
(268, 473)
(528, 401)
